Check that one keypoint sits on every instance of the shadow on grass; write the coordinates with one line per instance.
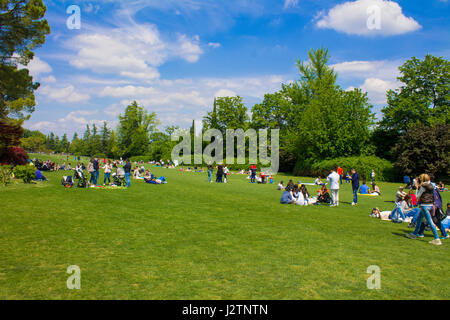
(403, 234)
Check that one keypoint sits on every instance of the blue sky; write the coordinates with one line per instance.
(175, 56)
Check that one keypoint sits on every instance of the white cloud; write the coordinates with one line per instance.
(37, 67)
(49, 79)
(74, 121)
(352, 17)
(214, 45)
(134, 51)
(364, 69)
(66, 94)
(376, 77)
(225, 93)
(188, 49)
(175, 100)
(377, 88)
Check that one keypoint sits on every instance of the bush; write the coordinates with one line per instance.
(364, 165)
(26, 173)
(14, 156)
(424, 149)
(5, 175)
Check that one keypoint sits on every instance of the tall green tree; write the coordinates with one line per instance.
(134, 130)
(334, 122)
(105, 135)
(228, 113)
(423, 98)
(424, 149)
(22, 29)
(65, 144)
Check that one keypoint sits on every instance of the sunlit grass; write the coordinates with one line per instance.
(193, 240)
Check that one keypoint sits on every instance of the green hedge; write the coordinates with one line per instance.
(26, 173)
(384, 169)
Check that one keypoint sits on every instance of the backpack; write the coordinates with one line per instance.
(439, 214)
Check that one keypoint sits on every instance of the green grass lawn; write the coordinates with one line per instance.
(190, 239)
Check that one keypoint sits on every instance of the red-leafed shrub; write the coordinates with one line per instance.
(14, 155)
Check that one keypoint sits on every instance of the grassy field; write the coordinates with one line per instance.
(190, 239)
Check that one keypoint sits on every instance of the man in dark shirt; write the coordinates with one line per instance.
(355, 186)
(127, 169)
(96, 170)
(219, 173)
(253, 173)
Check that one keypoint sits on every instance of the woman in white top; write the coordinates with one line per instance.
(107, 167)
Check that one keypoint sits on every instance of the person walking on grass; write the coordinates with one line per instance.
(426, 201)
(127, 169)
(333, 178)
(355, 186)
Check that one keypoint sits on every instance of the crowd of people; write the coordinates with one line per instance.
(421, 207)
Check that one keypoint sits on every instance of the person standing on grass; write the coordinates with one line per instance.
(355, 186)
(253, 173)
(96, 170)
(219, 173)
(340, 172)
(90, 169)
(210, 170)
(107, 169)
(127, 169)
(426, 201)
(333, 178)
(372, 175)
(226, 171)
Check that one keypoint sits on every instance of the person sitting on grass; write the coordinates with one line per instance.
(304, 198)
(317, 182)
(441, 187)
(376, 191)
(136, 173)
(280, 186)
(323, 195)
(39, 176)
(400, 195)
(287, 197)
(263, 177)
(148, 176)
(364, 189)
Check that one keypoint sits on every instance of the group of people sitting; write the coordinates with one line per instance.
(298, 194)
(365, 190)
